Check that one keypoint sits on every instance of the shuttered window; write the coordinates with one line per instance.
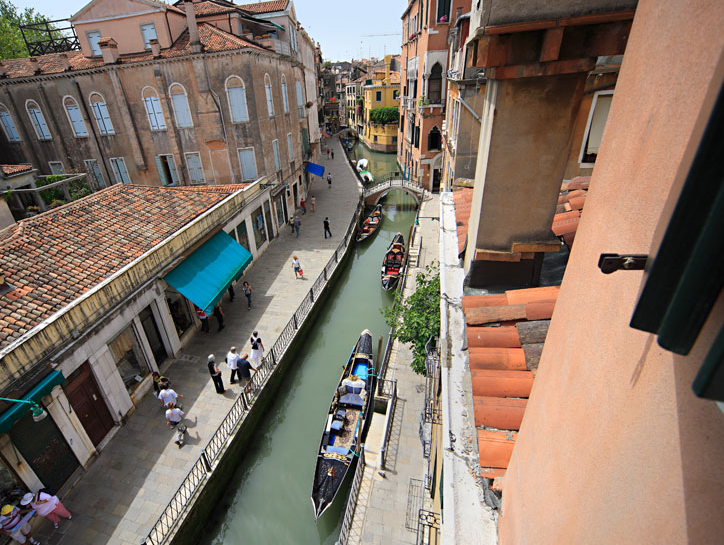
(248, 164)
(148, 31)
(181, 106)
(75, 118)
(38, 121)
(100, 112)
(277, 160)
(166, 166)
(290, 145)
(269, 98)
(94, 171)
(120, 173)
(153, 109)
(196, 169)
(93, 38)
(236, 94)
(285, 99)
(300, 96)
(11, 131)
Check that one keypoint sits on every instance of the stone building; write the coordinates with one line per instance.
(382, 91)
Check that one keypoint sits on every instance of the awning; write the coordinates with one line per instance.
(206, 274)
(313, 168)
(19, 410)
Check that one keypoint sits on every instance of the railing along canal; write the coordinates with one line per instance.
(352, 499)
(204, 466)
(392, 405)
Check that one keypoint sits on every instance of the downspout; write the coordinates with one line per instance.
(476, 116)
(99, 148)
(217, 101)
(168, 27)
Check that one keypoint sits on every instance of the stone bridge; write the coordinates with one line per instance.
(373, 194)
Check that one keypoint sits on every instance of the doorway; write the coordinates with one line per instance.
(153, 335)
(85, 398)
(296, 195)
(436, 177)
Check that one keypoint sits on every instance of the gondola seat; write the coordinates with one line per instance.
(352, 400)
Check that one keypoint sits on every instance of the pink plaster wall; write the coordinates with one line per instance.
(614, 446)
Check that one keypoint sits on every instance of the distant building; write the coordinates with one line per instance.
(382, 92)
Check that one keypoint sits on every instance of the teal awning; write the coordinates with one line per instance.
(19, 410)
(205, 275)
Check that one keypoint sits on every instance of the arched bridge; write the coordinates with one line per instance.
(373, 194)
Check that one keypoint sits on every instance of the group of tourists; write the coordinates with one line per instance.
(15, 519)
(240, 365)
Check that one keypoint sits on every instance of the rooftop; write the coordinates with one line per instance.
(570, 207)
(265, 7)
(12, 170)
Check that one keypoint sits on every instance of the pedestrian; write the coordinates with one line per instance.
(297, 223)
(332, 154)
(303, 206)
(174, 415)
(231, 293)
(232, 359)
(291, 224)
(257, 349)
(326, 228)
(245, 370)
(159, 382)
(327, 153)
(215, 375)
(219, 315)
(329, 180)
(246, 288)
(168, 395)
(298, 272)
(204, 319)
(15, 525)
(46, 505)
(313, 203)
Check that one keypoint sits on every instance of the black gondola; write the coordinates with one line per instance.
(346, 420)
(371, 224)
(393, 263)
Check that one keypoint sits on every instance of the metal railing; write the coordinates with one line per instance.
(431, 413)
(352, 500)
(205, 464)
(428, 528)
(392, 405)
(391, 184)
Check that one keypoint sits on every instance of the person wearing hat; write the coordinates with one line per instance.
(231, 362)
(215, 375)
(46, 505)
(15, 525)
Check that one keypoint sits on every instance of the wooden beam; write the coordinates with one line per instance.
(537, 69)
(528, 26)
(552, 246)
(551, 44)
(532, 332)
(493, 255)
(494, 51)
(532, 355)
(489, 315)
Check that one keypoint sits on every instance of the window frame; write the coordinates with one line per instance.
(586, 132)
(172, 168)
(241, 164)
(277, 157)
(90, 43)
(91, 173)
(228, 98)
(70, 119)
(62, 168)
(114, 170)
(147, 45)
(155, 114)
(201, 167)
(290, 145)
(34, 120)
(5, 110)
(101, 122)
(269, 93)
(299, 92)
(186, 103)
(285, 98)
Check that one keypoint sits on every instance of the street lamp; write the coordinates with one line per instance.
(38, 412)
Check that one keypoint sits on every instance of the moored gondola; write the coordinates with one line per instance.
(371, 223)
(345, 422)
(393, 263)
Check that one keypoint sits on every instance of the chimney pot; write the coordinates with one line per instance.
(109, 49)
(236, 26)
(155, 48)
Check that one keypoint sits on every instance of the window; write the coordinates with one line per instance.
(242, 235)
(443, 11)
(120, 173)
(56, 167)
(277, 161)
(269, 98)
(180, 106)
(378, 96)
(257, 221)
(394, 140)
(285, 100)
(434, 84)
(93, 38)
(196, 169)
(454, 122)
(11, 131)
(36, 117)
(247, 159)
(293, 38)
(153, 109)
(94, 172)
(594, 127)
(148, 31)
(434, 139)
(100, 112)
(395, 94)
(129, 358)
(291, 147)
(166, 166)
(374, 138)
(300, 96)
(76, 120)
(237, 99)
(417, 137)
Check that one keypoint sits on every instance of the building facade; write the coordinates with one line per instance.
(379, 133)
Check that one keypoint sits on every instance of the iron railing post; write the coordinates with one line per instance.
(205, 459)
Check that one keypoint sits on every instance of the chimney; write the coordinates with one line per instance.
(193, 27)
(236, 27)
(64, 61)
(155, 48)
(34, 64)
(109, 49)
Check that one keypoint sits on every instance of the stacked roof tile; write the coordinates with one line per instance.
(51, 259)
(265, 7)
(11, 170)
(569, 209)
(463, 199)
(505, 334)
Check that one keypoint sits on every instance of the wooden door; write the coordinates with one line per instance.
(90, 408)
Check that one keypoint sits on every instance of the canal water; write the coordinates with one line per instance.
(268, 499)
(380, 165)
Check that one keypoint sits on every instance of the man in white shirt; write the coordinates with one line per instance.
(232, 360)
(168, 395)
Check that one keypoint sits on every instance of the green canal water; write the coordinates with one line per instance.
(268, 499)
(380, 165)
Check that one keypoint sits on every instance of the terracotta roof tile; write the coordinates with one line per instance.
(540, 310)
(210, 7)
(56, 256)
(463, 199)
(566, 226)
(502, 337)
(498, 412)
(488, 382)
(265, 7)
(490, 300)
(579, 182)
(9, 170)
(495, 448)
(485, 357)
(528, 295)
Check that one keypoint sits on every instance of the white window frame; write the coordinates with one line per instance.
(97, 179)
(42, 131)
(173, 168)
(269, 95)
(95, 51)
(277, 157)
(153, 115)
(117, 174)
(8, 124)
(183, 104)
(201, 167)
(285, 98)
(241, 164)
(81, 121)
(147, 43)
(245, 114)
(588, 127)
(62, 168)
(104, 124)
(290, 145)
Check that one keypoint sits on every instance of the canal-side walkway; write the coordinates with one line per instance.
(389, 500)
(126, 488)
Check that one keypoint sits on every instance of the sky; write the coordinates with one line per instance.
(342, 28)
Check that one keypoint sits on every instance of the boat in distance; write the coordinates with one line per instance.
(346, 420)
(370, 224)
(393, 263)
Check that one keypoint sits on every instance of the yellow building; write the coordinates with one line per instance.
(380, 126)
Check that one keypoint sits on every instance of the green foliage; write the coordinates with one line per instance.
(12, 44)
(417, 318)
(52, 194)
(383, 116)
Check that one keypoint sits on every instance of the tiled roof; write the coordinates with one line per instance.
(212, 39)
(265, 7)
(210, 7)
(9, 170)
(569, 208)
(505, 336)
(52, 258)
(463, 199)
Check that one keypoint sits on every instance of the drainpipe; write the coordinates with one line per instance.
(447, 443)
(98, 146)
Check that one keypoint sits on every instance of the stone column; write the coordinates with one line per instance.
(21, 467)
(70, 426)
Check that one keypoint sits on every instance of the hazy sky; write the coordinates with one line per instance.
(342, 28)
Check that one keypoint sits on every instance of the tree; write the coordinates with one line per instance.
(12, 45)
(383, 116)
(417, 318)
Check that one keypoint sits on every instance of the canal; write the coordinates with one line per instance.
(268, 498)
(380, 165)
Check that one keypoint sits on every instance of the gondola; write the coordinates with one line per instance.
(371, 224)
(393, 263)
(345, 422)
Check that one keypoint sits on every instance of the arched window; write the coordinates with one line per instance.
(11, 130)
(180, 106)
(434, 84)
(38, 120)
(74, 117)
(300, 96)
(285, 100)
(236, 93)
(100, 112)
(268, 91)
(434, 139)
(153, 109)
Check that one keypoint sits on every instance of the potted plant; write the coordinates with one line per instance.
(309, 104)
